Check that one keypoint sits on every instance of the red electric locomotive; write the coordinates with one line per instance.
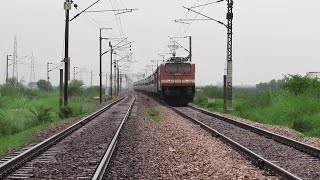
(173, 81)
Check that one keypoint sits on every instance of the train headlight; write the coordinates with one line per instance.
(187, 80)
(169, 80)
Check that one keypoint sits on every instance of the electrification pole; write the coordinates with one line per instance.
(100, 56)
(48, 78)
(229, 55)
(118, 79)
(7, 72)
(190, 48)
(100, 73)
(162, 57)
(106, 90)
(111, 52)
(91, 79)
(61, 89)
(115, 76)
(74, 73)
(67, 7)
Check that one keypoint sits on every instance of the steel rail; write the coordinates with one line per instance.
(16, 162)
(260, 161)
(279, 138)
(108, 154)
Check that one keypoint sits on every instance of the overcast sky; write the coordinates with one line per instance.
(271, 37)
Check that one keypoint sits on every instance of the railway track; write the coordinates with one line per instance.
(285, 157)
(74, 153)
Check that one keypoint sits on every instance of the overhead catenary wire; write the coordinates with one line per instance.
(110, 10)
(182, 33)
(207, 4)
(92, 20)
(190, 21)
(84, 10)
(186, 14)
(206, 16)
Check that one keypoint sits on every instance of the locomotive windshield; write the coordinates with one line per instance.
(178, 68)
(172, 68)
(185, 68)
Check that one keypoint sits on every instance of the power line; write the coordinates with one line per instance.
(83, 10)
(206, 16)
(207, 4)
(110, 10)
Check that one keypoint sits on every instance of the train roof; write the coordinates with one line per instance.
(178, 60)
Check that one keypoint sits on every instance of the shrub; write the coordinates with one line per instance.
(13, 82)
(44, 85)
(42, 114)
(1, 115)
(9, 90)
(77, 109)
(213, 91)
(300, 84)
(65, 112)
(273, 85)
(92, 91)
(8, 128)
(2, 102)
(75, 87)
(32, 92)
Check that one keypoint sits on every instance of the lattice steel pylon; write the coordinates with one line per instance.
(229, 55)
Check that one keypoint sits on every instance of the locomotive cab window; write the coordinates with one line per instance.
(185, 68)
(172, 68)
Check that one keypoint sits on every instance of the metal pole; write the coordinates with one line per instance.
(91, 79)
(74, 73)
(67, 7)
(229, 55)
(115, 76)
(111, 52)
(61, 89)
(48, 76)
(190, 48)
(106, 84)
(100, 74)
(118, 79)
(7, 75)
(225, 93)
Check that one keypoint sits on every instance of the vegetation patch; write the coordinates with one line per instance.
(26, 109)
(293, 101)
(17, 140)
(42, 114)
(153, 114)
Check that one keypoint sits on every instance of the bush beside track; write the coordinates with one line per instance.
(292, 101)
(24, 111)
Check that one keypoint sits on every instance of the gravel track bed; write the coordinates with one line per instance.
(56, 128)
(290, 159)
(77, 156)
(175, 148)
(284, 131)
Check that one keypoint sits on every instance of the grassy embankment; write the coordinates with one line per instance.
(24, 111)
(292, 102)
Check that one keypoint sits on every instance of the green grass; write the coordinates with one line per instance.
(17, 140)
(153, 114)
(283, 107)
(17, 122)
